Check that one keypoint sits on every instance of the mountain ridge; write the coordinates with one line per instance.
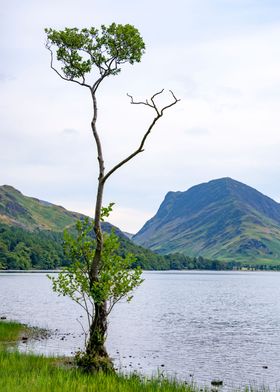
(222, 218)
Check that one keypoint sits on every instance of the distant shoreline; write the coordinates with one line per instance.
(162, 271)
(28, 271)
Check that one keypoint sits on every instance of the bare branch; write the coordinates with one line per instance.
(158, 93)
(113, 302)
(85, 333)
(89, 316)
(79, 303)
(159, 114)
(152, 99)
(110, 61)
(146, 103)
(173, 103)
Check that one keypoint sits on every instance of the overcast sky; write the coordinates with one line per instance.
(220, 57)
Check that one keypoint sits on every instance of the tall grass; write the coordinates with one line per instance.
(32, 373)
(20, 373)
(10, 331)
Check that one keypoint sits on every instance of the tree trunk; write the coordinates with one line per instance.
(94, 272)
(98, 332)
(98, 329)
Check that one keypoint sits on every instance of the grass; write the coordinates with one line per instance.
(20, 372)
(26, 372)
(10, 332)
(33, 373)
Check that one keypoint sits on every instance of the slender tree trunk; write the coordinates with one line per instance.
(94, 273)
(98, 328)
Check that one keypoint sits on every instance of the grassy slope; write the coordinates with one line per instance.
(21, 372)
(231, 243)
(30, 213)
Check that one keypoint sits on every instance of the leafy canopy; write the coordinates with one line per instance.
(81, 49)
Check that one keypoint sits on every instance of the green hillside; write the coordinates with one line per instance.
(32, 214)
(31, 237)
(222, 219)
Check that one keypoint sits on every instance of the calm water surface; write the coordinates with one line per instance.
(192, 325)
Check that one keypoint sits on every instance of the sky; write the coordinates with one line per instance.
(220, 57)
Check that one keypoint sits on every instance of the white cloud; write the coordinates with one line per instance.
(226, 72)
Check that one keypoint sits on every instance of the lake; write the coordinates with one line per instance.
(193, 325)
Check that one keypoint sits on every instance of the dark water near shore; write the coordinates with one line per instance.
(200, 325)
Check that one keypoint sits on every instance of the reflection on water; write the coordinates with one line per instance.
(200, 325)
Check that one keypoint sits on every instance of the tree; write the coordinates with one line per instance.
(116, 281)
(21, 254)
(80, 53)
(3, 254)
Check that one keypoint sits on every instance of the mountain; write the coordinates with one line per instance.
(31, 235)
(221, 219)
(33, 214)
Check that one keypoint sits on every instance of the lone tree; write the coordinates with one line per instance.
(86, 57)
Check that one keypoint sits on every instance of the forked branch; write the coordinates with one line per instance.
(159, 113)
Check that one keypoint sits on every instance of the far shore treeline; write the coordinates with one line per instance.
(31, 237)
(23, 250)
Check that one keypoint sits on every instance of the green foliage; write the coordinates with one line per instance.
(22, 255)
(105, 211)
(21, 249)
(116, 278)
(81, 49)
(45, 251)
(3, 254)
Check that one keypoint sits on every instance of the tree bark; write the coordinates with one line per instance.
(98, 328)
(98, 332)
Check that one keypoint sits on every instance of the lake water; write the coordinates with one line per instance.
(192, 325)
